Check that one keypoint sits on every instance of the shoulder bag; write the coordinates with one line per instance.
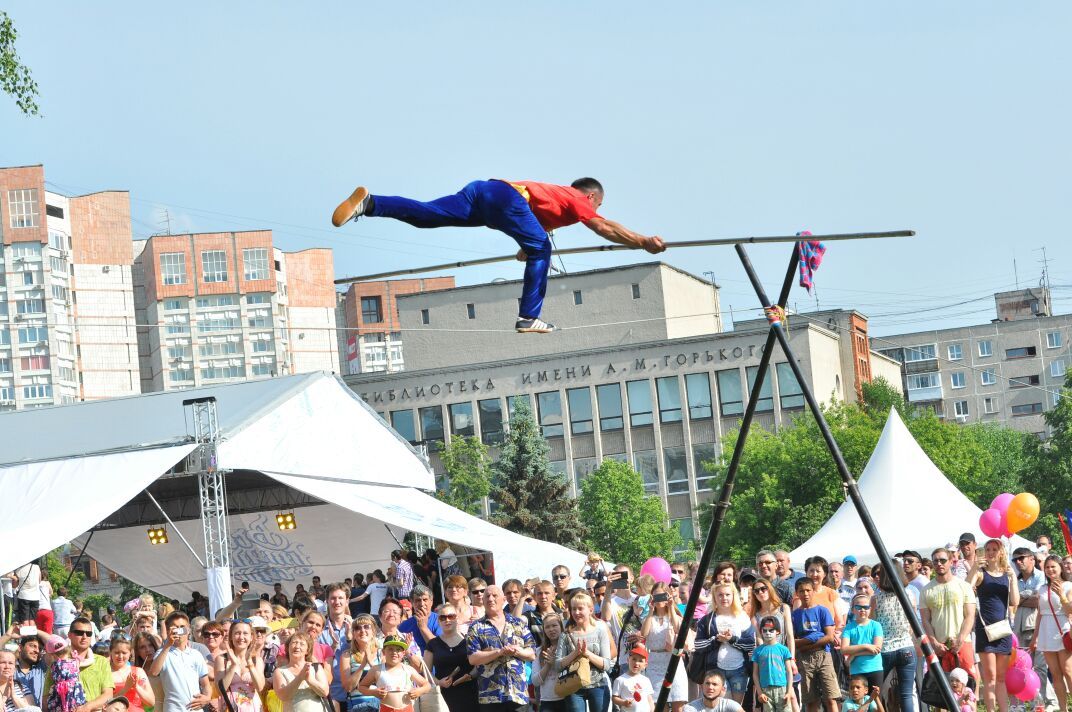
(1066, 636)
(577, 675)
(696, 661)
(616, 669)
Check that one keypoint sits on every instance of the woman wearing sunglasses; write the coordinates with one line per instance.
(477, 586)
(363, 655)
(448, 658)
(764, 602)
(457, 591)
(861, 642)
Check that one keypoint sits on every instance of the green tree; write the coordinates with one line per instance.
(1049, 476)
(531, 498)
(58, 575)
(15, 77)
(623, 524)
(880, 396)
(469, 474)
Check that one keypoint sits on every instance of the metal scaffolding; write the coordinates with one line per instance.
(210, 480)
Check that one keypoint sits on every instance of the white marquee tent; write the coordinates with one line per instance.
(67, 470)
(912, 503)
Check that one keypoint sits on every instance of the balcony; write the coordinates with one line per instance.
(921, 395)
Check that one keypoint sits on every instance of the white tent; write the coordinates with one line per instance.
(912, 503)
(65, 470)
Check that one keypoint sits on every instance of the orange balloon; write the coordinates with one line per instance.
(1023, 511)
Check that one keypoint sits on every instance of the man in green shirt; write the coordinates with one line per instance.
(95, 672)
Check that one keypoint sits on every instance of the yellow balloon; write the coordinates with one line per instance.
(1023, 511)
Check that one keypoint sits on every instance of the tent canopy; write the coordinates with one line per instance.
(310, 433)
(912, 503)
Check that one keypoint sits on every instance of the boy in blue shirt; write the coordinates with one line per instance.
(862, 698)
(772, 667)
(813, 630)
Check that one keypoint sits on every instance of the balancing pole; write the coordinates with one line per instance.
(723, 504)
(853, 491)
(615, 248)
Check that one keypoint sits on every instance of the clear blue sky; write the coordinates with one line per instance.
(701, 119)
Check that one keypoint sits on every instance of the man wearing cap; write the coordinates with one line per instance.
(912, 564)
(837, 582)
(94, 671)
(947, 611)
(1028, 582)
(181, 670)
(500, 644)
(850, 566)
(966, 545)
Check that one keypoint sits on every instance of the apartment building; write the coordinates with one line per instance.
(229, 306)
(66, 304)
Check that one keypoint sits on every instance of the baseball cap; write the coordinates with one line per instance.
(121, 700)
(966, 536)
(396, 640)
(256, 622)
(55, 644)
(639, 651)
(405, 604)
(910, 552)
(748, 573)
(1021, 551)
(850, 559)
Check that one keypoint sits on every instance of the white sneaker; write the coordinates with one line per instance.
(533, 326)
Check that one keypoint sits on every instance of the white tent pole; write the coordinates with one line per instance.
(175, 528)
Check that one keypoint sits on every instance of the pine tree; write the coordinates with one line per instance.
(531, 498)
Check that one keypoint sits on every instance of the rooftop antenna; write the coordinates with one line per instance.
(1045, 281)
(166, 221)
(1015, 273)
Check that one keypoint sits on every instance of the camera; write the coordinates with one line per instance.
(181, 630)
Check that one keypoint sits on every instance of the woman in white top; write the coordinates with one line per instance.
(1055, 603)
(659, 632)
(544, 672)
(302, 685)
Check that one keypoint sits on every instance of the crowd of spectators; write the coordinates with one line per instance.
(420, 635)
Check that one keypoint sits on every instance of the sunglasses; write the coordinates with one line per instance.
(559, 577)
(448, 616)
(674, 585)
(861, 608)
(478, 591)
(366, 626)
(940, 561)
(760, 589)
(82, 633)
(211, 634)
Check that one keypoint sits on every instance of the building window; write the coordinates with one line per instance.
(255, 262)
(609, 400)
(1027, 409)
(647, 464)
(639, 394)
(790, 393)
(636, 291)
(491, 421)
(30, 306)
(263, 345)
(29, 278)
(1053, 340)
(919, 381)
(173, 267)
(217, 300)
(730, 396)
(470, 311)
(1020, 352)
(5, 365)
(925, 352)
(765, 402)
(580, 410)
(372, 310)
(582, 467)
(990, 405)
(676, 466)
(514, 402)
(1024, 381)
(263, 369)
(669, 399)
(958, 380)
(987, 377)
(1057, 368)
(26, 250)
(22, 204)
(34, 363)
(173, 304)
(214, 266)
(698, 393)
(425, 317)
(1056, 397)
(577, 298)
(403, 423)
(223, 371)
(181, 374)
(226, 348)
(960, 408)
(263, 298)
(33, 334)
(955, 352)
(37, 391)
(549, 413)
(432, 423)
(461, 419)
(986, 348)
(180, 352)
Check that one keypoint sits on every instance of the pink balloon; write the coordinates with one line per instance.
(1031, 686)
(992, 522)
(1015, 680)
(1023, 660)
(657, 568)
(1001, 502)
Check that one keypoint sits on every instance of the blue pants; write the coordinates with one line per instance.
(596, 699)
(489, 203)
(904, 662)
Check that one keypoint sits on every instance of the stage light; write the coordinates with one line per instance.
(286, 521)
(157, 535)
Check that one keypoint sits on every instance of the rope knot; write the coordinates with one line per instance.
(776, 315)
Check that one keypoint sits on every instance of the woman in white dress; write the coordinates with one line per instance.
(1055, 603)
(659, 631)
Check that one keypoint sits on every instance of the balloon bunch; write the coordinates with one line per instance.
(1009, 514)
(1021, 680)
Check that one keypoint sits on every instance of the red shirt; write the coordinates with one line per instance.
(556, 206)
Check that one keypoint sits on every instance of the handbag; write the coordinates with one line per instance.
(1066, 636)
(696, 661)
(998, 629)
(932, 691)
(572, 678)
